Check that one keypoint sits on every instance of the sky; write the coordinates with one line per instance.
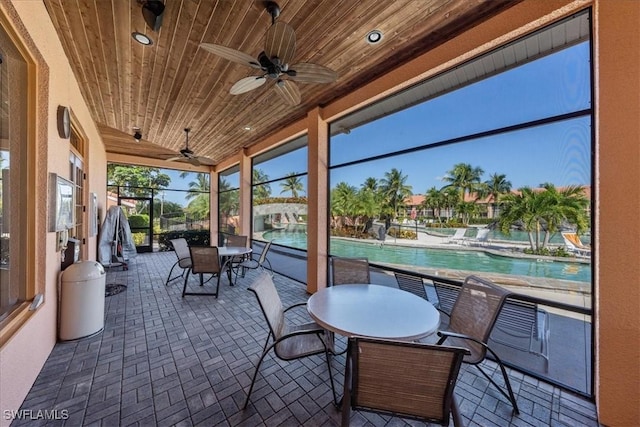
(559, 153)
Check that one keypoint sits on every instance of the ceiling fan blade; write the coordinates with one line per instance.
(247, 84)
(174, 159)
(205, 161)
(288, 91)
(280, 42)
(311, 73)
(194, 161)
(231, 54)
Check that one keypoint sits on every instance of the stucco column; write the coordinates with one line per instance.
(317, 194)
(214, 219)
(245, 195)
(617, 93)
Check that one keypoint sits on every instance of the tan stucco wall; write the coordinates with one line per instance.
(617, 90)
(22, 357)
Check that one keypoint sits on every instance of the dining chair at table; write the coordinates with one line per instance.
(471, 321)
(289, 341)
(181, 249)
(349, 270)
(204, 260)
(402, 378)
(236, 240)
(413, 284)
(252, 263)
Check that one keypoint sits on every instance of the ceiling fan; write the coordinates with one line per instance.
(186, 155)
(274, 62)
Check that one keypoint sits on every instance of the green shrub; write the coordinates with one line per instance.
(193, 238)
(138, 238)
(138, 221)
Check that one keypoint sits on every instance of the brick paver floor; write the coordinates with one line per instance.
(164, 360)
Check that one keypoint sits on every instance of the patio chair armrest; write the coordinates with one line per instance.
(443, 312)
(299, 304)
(446, 334)
(319, 331)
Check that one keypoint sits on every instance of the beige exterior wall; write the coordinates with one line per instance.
(617, 183)
(23, 355)
(617, 91)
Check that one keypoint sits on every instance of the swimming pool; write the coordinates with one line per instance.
(440, 258)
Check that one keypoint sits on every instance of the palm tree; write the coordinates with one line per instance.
(465, 178)
(544, 211)
(198, 196)
(467, 210)
(434, 199)
(260, 191)
(228, 201)
(526, 208)
(395, 189)
(562, 206)
(197, 187)
(450, 198)
(343, 203)
(293, 184)
(494, 187)
(370, 183)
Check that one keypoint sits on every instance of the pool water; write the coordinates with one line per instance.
(440, 258)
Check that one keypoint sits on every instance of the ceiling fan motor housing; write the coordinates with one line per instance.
(270, 66)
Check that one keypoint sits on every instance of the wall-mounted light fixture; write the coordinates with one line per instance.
(136, 134)
(64, 122)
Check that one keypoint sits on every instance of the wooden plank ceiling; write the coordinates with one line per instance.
(173, 84)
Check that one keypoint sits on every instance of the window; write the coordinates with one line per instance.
(161, 204)
(229, 200)
(279, 191)
(76, 175)
(14, 126)
(500, 145)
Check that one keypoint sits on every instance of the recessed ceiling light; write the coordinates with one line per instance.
(247, 128)
(374, 36)
(141, 38)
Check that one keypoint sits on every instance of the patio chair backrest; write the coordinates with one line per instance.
(475, 312)
(204, 259)
(236, 240)
(270, 303)
(408, 379)
(349, 270)
(265, 250)
(413, 284)
(447, 296)
(181, 248)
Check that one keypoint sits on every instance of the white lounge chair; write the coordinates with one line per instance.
(574, 245)
(458, 236)
(481, 238)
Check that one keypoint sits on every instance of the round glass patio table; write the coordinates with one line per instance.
(373, 311)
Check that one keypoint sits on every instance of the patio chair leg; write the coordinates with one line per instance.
(186, 279)
(169, 278)
(333, 387)
(457, 418)
(510, 396)
(255, 374)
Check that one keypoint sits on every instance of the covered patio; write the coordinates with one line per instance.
(165, 360)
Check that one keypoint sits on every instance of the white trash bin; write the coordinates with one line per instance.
(82, 299)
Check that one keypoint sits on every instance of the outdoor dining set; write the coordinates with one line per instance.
(403, 352)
